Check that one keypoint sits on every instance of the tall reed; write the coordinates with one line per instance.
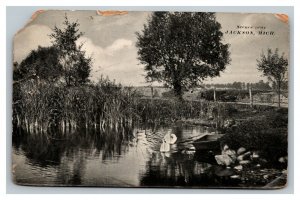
(39, 107)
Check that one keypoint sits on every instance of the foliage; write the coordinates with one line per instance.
(181, 49)
(267, 134)
(41, 63)
(76, 66)
(274, 67)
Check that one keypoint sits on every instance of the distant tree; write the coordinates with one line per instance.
(237, 85)
(76, 66)
(275, 68)
(181, 49)
(261, 85)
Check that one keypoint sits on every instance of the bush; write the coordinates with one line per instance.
(168, 94)
(223, 95)
(266, 135)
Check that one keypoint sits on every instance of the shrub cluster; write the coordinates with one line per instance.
(266, 134)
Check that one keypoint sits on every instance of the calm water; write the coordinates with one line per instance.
(124, 158)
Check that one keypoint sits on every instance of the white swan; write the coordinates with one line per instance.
(169, 139)
(165, 147)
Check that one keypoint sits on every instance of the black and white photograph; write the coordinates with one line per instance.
(151, 99)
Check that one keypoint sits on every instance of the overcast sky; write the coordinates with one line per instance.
(110, 40)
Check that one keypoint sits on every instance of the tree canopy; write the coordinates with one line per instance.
(181, 49)
(41, 63)
(64, 61)
(76, 66)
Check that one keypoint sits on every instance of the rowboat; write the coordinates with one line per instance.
(208, 142)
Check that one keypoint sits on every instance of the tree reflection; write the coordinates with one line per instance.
(49, 149)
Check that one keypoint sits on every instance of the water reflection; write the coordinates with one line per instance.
(128, 158)
(176, 170)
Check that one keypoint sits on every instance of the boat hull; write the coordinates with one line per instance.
(207, 145)
(209, 142)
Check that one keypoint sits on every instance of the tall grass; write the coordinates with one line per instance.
(169, 110)
(39, 107)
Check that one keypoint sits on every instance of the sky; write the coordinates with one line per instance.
(110, 40)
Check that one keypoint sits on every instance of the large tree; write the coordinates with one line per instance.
(275, 68)
(76, 65)
(181, 49)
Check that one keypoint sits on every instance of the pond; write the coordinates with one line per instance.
(129, 157)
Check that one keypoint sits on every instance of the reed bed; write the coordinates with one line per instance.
(39, 107)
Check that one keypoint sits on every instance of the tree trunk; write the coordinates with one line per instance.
(278, 93)
(178, 90)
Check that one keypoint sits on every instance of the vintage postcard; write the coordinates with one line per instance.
(151, 99)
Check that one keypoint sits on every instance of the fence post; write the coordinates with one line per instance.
(215, 95)
(250, 96)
